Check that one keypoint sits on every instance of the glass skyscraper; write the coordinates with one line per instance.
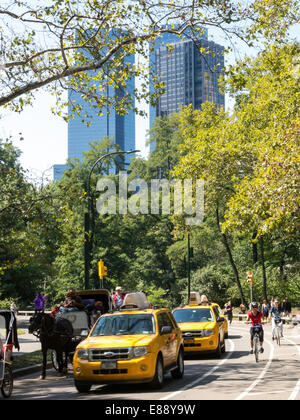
(190, 77)
(121, 128)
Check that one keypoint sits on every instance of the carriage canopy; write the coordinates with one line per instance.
(8, 328)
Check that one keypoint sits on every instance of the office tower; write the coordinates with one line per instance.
(121, 128)
(189, 76)
(58, 170)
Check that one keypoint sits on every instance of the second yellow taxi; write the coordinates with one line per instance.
(203, 327)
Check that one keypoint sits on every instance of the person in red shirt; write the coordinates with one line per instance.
(255, 316)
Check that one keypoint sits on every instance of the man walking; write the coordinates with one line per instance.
(287, 307)
(118, 297)
(39, 303)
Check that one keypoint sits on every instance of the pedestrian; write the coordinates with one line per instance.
(228, 311)
(14, 308)
(287, 307)
(243, 308)
(118, 297)
(39, 302)
(265, 310)
(272, 303)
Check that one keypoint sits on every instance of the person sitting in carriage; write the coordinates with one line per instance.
(72, 303)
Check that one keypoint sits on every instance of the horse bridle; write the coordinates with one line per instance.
(37, 333)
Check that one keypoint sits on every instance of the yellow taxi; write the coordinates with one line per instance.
(203, 329)
(134, 345)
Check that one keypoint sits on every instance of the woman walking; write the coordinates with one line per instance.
(39, 303)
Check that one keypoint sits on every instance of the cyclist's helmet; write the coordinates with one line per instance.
(254, 305)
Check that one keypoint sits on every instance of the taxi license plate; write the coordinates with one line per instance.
(109, 365)
(189, 340)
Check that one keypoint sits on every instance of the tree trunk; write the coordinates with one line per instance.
(254, 248)
(262, 256)
(228, 250)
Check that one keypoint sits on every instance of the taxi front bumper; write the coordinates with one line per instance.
(135, 370)
(202, 344)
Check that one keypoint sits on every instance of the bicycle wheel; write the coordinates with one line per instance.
(256, 348)
(7, 386)
(278, 336)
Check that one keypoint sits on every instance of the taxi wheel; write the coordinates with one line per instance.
(158, 380)
(82, 388)
(179, 371)
(223, 349)
(218, 352)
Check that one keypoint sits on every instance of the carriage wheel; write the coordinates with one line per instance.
(55, 362)
(7, 386)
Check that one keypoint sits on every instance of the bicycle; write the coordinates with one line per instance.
(8, 339)
(256, 340)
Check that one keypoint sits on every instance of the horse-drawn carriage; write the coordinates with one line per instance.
(82, 321)
(8, 339)
(63, 333)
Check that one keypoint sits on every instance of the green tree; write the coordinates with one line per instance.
(90, 41)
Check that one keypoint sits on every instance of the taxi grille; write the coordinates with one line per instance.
(192, 334)
(192, 345)
(109, 371)
(96, 355)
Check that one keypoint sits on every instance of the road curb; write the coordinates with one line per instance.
(29, 369)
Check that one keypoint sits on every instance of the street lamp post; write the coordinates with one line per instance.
(88, 243)
(190, 252)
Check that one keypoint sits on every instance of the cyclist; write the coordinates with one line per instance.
(255, 317)
(275, 312)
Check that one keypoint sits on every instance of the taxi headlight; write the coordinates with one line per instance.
(140, 351)
(207, 333)
(83, 354)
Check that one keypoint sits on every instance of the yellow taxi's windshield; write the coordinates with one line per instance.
(126, 324)
(193, 315)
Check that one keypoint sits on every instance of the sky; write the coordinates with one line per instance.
(45, 134)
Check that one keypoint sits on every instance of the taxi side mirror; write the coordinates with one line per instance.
(166, 330)
(221, 319)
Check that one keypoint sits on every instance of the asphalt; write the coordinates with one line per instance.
(29, 343)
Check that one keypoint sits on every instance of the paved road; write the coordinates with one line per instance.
(234, 377)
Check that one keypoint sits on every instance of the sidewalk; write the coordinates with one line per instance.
(28, 344)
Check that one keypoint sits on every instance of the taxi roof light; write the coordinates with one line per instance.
(195, 298)
(134, 301)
